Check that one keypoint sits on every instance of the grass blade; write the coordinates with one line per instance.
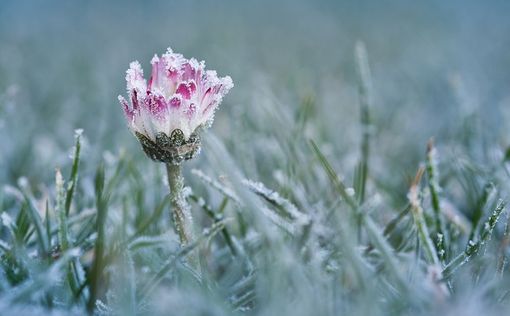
(433, 181)
(182, 253)
(74, 172)
(373, 231)
(419, 220)
(96, 273)
(34, 216)
(365, 98)
(473, 247)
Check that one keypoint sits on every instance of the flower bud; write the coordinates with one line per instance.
(167, 113)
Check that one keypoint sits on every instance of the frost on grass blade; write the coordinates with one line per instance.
(295, 219)
(226, 191)
(473, 247)
(274, 198)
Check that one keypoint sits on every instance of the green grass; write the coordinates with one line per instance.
(304, 198)
(260, 252)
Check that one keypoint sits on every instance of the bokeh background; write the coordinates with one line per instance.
(434, 63)
(440, 69)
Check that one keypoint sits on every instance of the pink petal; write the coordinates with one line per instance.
(156, 72)
(156, 105)
(189, 71)
(134, 77)
(179, 94)
(186, 89)
(134, 99)
(191, 110)
(213, 95)
(175, 101)
(125, 106)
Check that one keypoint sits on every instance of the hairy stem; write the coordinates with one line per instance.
(181, 214)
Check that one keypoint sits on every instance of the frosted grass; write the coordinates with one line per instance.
(283, 226)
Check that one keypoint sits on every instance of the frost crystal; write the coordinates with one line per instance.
(78, 132)
(167, 112)
(6, 219)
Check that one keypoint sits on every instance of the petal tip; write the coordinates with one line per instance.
(155, 59)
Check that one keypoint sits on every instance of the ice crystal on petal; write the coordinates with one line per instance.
(180, 97)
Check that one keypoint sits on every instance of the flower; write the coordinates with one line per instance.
(167, 113)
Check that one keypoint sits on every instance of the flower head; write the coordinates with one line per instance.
(167, 113)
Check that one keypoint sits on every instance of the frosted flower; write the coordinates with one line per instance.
(167, 113)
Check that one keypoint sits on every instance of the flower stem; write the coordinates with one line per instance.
(181, 214)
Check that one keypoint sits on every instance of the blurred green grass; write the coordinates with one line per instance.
(67, 60)
(438, 70)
